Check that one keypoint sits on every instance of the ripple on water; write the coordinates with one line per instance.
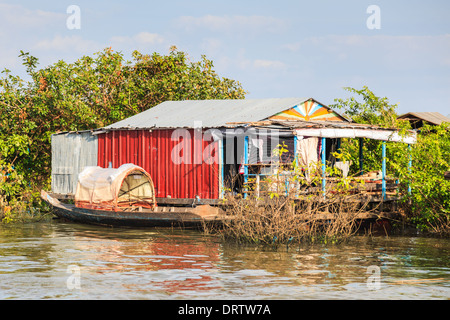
(36, 262)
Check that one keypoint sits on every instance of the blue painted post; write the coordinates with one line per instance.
(295, 159)
(383, 181)
(295, 149)
(409, 168)
(324, 149)
(245, 164)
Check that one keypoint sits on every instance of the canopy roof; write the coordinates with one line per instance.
(110, 189)
(337, 129)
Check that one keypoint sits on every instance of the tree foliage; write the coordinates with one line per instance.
(430, 192)
(428, 204)
(367, 108)
(92, 92)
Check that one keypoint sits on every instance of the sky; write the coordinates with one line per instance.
(276, 49)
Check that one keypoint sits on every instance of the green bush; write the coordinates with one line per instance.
(89, 93)
(428, 204)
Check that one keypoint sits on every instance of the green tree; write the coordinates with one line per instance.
(428, 204)
(367, 108)
(92, 92)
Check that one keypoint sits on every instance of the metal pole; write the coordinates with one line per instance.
(296, 163)
(361, 156)
(222, 167)
(324, 149)
(245, 164)
(409, 168)
(383, 181)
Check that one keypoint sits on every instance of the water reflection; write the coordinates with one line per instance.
(168, 261)
(171, 264)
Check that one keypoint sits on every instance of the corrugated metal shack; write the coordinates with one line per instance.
(151, 138)
(196, 149)
(71, 152)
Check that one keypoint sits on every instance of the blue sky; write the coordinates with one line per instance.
(274, 48)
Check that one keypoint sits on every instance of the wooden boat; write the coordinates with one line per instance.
(178, 217)
(125, 196)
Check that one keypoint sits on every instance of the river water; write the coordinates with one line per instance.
(58, 260)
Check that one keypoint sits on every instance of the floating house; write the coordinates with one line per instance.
(194, 150)
(418, 119)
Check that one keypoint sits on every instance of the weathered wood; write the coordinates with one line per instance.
(186, 202)
(60, 196)
(184, 217)
(159, 201)
(447, 175)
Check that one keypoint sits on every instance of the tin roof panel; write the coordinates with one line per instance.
(206, 113)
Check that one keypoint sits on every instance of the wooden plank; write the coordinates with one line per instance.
(60, 196)
(163, 201)
(186, 201)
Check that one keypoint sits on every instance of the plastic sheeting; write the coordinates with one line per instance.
(110, 189)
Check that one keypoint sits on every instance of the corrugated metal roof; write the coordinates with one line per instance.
(431, 117)
(211, 113)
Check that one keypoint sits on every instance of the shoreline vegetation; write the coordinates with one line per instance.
(98, 90)
(293, 209)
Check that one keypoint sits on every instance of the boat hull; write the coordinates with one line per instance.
(174, 217)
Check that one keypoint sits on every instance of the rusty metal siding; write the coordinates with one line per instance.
(152, 150)
(71, 152)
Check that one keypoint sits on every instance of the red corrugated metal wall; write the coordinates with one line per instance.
(152, 150)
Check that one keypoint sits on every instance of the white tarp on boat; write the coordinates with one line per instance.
(110, 188)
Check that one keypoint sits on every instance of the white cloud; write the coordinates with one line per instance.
(387, 50)
(269, 64)
(19, 17)
(293, 47)
(26, 29)
(211, 45)
(235, 24)
(141, 41)
(73, 43)
(148, 38)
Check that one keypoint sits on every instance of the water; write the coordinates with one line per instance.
(57, 260)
